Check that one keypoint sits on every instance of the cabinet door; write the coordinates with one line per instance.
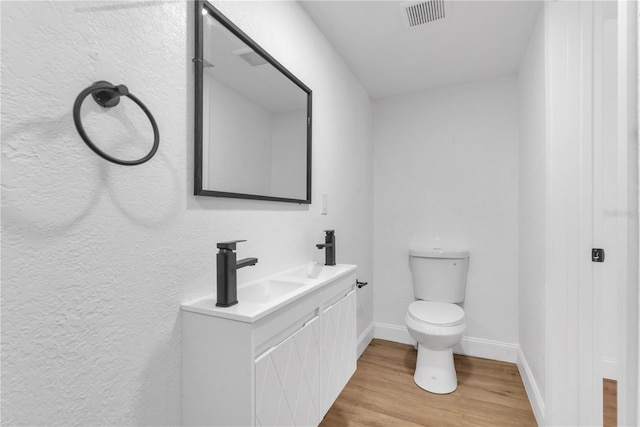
(287, 380)
(338, 348)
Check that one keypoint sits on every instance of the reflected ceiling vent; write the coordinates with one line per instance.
(251, 57)
(417, 13)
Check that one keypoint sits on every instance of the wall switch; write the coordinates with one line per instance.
(325, 203)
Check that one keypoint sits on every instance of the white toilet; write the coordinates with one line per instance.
(434, 320)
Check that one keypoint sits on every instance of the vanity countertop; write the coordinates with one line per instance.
(262, 297)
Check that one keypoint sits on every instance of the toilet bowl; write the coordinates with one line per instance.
(437, 327)
(435, 321)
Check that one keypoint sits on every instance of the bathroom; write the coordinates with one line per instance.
(98, 258)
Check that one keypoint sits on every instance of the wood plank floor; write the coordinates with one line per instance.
(382, 393)
(610, 403)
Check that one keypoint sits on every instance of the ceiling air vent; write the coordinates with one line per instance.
(420, 13)
(250, 56)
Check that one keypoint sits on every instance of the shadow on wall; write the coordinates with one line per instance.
(118, 6)
(52, 181)
(43, 186)
(160, 382)
(224, 204)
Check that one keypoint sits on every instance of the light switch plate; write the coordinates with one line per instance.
(325, 204)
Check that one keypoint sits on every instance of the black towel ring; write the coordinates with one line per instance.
(107, 96)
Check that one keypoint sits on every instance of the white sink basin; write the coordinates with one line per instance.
(266, 291)
(259, 298)
(313, 271)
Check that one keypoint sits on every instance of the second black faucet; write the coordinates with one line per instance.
(330, 247)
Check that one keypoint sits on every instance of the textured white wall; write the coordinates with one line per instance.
(98, 257)
(532, 204)
(446, 167)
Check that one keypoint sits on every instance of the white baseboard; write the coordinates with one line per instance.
(469, 346)
(533, 393)
(487, 349)
(610, 368)
(394, 333)
(363, 340)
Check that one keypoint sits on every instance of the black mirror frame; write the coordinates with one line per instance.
(199, 72)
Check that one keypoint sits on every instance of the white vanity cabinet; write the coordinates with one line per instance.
(287, 381)
(338, 347)
(285, 368)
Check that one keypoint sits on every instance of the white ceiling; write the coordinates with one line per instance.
(478, 39)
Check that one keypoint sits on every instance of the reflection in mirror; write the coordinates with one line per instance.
(256, 119)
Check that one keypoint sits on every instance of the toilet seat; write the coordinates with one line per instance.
(436, 313)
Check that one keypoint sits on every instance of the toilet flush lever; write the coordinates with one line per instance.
(361, 284)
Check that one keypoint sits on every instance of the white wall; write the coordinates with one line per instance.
(446, 168)
(98, 257)
(237, 133)
(532, 211)
(289, 154)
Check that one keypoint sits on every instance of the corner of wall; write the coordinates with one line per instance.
(364, 340)
(531, 387)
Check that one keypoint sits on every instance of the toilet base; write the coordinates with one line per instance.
(435, 371)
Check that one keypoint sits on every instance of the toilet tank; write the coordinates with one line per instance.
(439, 274)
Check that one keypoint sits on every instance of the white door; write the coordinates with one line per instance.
(575, 288)
(615, 172)
(627, 200)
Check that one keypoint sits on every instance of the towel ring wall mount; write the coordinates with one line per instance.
(108, 95)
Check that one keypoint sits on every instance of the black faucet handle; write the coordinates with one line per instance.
(230, 245)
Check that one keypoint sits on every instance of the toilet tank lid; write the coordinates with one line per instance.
(438, 253)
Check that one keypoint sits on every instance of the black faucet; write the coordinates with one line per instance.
(330, 247)
(227, 267)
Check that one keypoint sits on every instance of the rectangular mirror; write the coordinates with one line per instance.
(253, 117)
